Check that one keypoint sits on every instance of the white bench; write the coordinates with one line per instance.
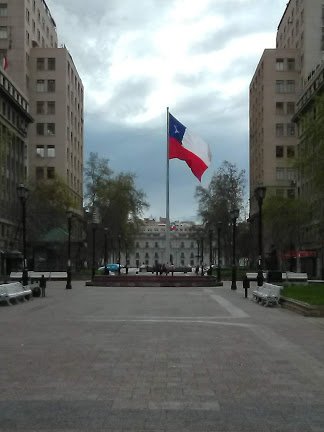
(293, 277)
(267, 294)
(14, 291)
(253, 276)
(33, 275)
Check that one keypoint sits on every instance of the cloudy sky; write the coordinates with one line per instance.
(136, 57)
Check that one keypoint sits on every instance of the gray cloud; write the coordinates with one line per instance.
(199, 98)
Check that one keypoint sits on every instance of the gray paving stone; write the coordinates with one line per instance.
(142, 359)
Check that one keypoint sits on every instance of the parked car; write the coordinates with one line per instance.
(111, 267)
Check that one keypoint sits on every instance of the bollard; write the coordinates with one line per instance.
(246, 285)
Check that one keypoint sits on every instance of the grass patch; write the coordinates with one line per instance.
(312, 293)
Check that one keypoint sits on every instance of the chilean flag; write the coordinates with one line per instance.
(188, 147)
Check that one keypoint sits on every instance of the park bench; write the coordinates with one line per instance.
(253, 276)
(267, 294)
(15, 292)
(292, 277)
(33, 275)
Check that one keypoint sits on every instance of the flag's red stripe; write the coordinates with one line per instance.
(177, 151)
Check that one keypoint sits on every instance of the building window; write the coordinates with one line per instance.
(279, 129)
(291, 64)
(279, 64)
(40, 107)
(290, 86)
(291, 174)
(51, 86)
(50, 128)
(279, 151)
(290, 107)
(40, 85)
(40, 64)
(51, 107)
(280, 173)
(40, 128)
(39, 173)
(50, 172)
(290, 151)
(40, 151)
(3, 32)
(51, 63)
(51, 151)
(280, 86)
(279, 108)
(3, 9)
(290, 129)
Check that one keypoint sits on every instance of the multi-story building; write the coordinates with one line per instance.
(150, 245)
(47, 75)
(14, 121)
(273, 137)
(280, 79)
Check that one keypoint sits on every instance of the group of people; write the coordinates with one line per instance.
(160, 269)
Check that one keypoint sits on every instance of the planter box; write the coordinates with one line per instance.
(302, 308)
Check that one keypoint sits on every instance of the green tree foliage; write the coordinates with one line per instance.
(47, 204)
(119, 203)
(310, 160)
(284, 218)
(224, 192)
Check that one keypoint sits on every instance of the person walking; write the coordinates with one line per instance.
(42, 284)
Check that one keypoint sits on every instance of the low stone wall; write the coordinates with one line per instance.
(302, 308)
(154, 281)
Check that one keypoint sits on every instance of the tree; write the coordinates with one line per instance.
(224, 192)
(119, 202)
(48, 202)
(284, 218)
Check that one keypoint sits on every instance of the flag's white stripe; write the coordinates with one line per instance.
(197, 146)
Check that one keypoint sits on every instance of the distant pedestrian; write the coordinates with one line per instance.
(172, 269)
(197, 270)
(164, 269)
(42, 284)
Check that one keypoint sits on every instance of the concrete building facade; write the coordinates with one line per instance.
(14, 120)
(47, 75)
(281, 79)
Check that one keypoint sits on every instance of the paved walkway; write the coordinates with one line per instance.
(158, 359)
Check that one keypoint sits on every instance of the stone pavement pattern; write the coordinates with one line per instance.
(158, 359)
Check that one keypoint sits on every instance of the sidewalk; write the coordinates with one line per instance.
(158, 359)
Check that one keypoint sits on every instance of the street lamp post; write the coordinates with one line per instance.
(259, 193)
(69, 275)
(202, 256)
(234, 216)
(95, 222)
(119, 237)
(22, 192)
(105, 251)
(210, 250)
(219, 227)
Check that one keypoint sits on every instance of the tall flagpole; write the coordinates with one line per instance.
(167, 216)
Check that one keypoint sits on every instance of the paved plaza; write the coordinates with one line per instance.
(158, 359)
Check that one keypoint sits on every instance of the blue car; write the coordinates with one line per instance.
(112, 267)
